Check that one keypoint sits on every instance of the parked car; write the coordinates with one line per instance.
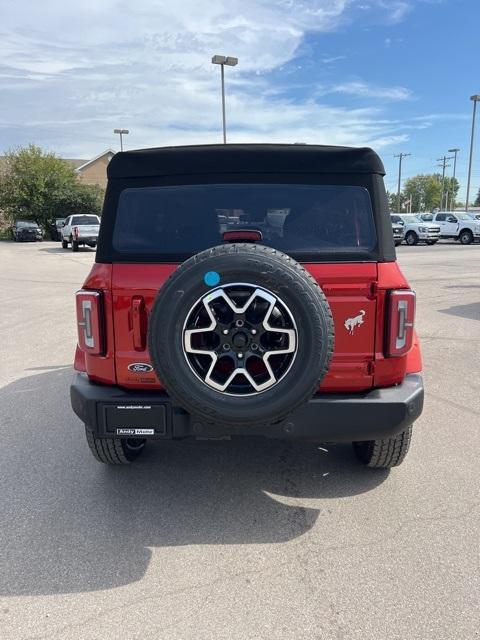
(306, 332)
(56, 229)
(26, 231)
(80, 230)
(398, 233)
(415, 229)
(457, 225)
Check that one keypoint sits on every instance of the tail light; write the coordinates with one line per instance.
(90, 321)
(75, 232)
(400, 322)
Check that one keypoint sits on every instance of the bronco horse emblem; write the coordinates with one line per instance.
(351, 323)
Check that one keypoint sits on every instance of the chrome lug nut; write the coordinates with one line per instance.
(254, 347)
(239, 323)
(226, 347)
(254, 332)
(240, 355)
(225, 332)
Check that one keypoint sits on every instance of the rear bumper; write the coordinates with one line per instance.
(86, 239)
(32, 238)
(379, 413)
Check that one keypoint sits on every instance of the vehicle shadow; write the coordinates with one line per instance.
(59, 249)
(70, 524)
(470, 311)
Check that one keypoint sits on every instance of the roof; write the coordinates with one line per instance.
(88, 162)
(233, 158)
(75, 162)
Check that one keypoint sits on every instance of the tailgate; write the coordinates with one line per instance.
(87, 230)
(350, 289)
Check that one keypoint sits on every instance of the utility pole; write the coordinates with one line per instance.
(443, 164)
(400, 157)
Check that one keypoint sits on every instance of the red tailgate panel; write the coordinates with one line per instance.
(350, 289)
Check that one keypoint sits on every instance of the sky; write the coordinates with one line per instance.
(395, 75)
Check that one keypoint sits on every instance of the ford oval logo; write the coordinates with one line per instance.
(140, 367)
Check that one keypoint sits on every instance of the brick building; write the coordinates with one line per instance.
(94, 171)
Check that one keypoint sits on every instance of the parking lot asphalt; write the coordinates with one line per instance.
(212, 540)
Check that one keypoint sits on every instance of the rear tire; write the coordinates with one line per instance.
(385, 453)
(466, 237)
(75, 245)
(114, 450)
(411, 238)
(64, 244)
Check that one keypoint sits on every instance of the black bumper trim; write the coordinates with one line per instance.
(379, 413)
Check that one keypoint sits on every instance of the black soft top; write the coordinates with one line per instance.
(232, 158)
(218, 164)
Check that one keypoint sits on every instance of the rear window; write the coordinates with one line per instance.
(80, 220)
(301, 220)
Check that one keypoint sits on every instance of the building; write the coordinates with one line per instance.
(94, 171)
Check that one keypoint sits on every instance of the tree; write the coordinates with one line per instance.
(450, 193)
(392, 201)
(477, 200)
(425, 190)
(39, 186)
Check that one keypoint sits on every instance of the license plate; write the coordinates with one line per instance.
(136, 419)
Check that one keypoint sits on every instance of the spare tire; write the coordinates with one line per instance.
(241, 334)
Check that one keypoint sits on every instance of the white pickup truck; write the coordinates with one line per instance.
(417, 230)
(458, 225)
(80, 229)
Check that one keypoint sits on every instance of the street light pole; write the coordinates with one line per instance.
(230, 62)
(475, 99)
(222, 71)
(400, 157)
(121, 132)
(454, 151)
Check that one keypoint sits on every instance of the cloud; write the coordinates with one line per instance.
(71, 73)
(363, 90)
(331, 59)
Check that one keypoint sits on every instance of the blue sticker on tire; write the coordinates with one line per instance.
(211, 278)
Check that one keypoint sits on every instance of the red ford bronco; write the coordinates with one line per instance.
(247, 290)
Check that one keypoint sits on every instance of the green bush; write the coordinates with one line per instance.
(5, 233)
(39, 186)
